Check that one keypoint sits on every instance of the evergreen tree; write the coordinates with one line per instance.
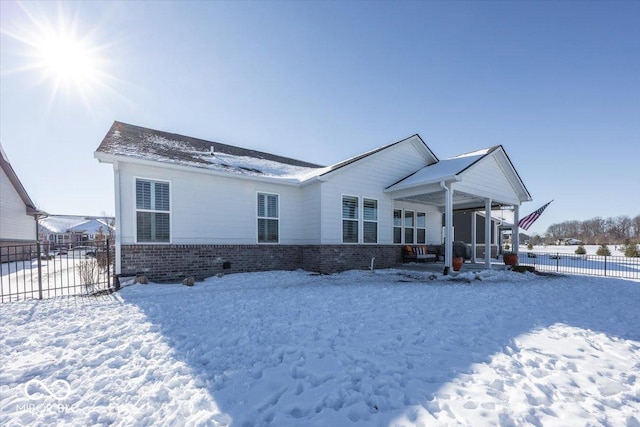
(631, 250)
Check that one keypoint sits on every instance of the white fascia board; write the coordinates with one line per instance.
(511, 173)
(110, 158)
(423, 149)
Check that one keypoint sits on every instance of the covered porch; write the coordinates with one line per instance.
(481, 181)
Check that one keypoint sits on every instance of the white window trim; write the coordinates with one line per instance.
(135, 211)
(393, 226)
(357, 219)
(421, 228)
(360, 220)
(377, 221)
(404, 227)
(415, 225)
(258, 218)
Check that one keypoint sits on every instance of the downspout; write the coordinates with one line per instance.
(448, 219)
(118, 225)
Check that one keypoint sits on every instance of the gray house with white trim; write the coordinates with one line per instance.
(190, 207)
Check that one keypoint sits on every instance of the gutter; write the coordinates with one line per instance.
(111, 158)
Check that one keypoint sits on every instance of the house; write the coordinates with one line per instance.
(18, 213)
(189, 207)
(57, 231)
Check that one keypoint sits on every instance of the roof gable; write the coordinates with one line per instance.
(415, 140)
(444, 170)
(456, 169)
(499, 155)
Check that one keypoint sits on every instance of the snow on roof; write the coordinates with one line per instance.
(148, 144)
(59, 224)
(71, 223)
(91, 226)
(442, 170)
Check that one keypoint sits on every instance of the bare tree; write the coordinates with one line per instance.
(597, 230)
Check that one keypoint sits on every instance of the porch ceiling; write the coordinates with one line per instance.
(460, 200)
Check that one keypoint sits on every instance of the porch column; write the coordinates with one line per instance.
(473, 236)
(515, 234)
(496, 238)
(487, 232)
(448, 219)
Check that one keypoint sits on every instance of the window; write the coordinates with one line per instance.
(421, 225)
(408, 226)
(350, 218)
(397, 226)
(152, 211)
(268, 218)
(370, 220)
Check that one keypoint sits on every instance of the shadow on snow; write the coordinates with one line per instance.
(364, 347)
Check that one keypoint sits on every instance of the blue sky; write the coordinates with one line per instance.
(556, 83)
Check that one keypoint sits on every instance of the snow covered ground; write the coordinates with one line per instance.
(360, 348)
(563, 259)
(616, 250)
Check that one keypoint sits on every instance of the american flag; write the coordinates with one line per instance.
(528, 220)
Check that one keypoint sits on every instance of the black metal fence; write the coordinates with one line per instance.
(594, 265)
(28, 271)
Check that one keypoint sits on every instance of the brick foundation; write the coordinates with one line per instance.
(170, 263)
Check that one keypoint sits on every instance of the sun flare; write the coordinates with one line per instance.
(68, 60)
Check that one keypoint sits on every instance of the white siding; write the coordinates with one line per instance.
(15, 224)
(208, 209)
(487, 179)
(367, 178)
(310, 213)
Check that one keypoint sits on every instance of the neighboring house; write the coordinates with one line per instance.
(18, 213)
(190, 207)
(572, 241)
(58, 231)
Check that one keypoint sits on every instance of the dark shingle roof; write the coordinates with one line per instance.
(144, 143)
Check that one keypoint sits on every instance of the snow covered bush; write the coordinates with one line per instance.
(603, 250)
(581, 250)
